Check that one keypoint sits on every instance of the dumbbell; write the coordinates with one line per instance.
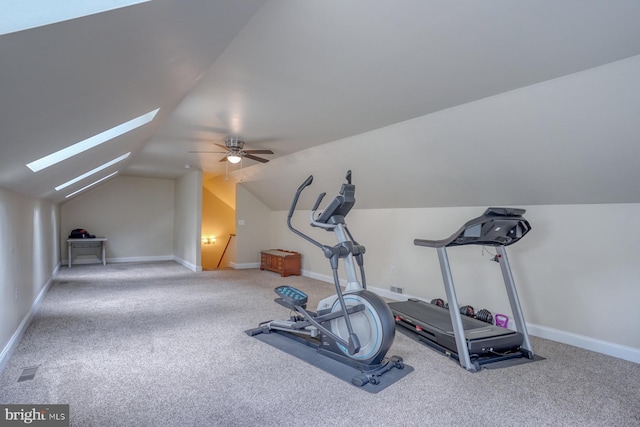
(467, 310)
(438, 301)
(485, 315)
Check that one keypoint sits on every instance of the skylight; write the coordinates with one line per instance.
(90, 185)
(91, 142)
(25, 14)
(91, 172)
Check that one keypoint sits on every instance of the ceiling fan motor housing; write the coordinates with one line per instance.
(234, 144)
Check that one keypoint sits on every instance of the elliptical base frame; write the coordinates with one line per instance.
(362, 375)
(366, 371)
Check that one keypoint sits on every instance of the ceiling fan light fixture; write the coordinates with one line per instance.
(233, 158)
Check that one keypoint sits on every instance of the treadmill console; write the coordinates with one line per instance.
(496, 227)
(504, 212)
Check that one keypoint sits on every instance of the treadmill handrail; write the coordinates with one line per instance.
(510, 215)
(432, 243)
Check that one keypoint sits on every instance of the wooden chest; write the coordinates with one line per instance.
(287, 263)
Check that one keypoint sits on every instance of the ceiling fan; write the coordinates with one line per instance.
(234, 151)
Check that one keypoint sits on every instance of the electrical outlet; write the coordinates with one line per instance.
(16, 295)
(393, 270)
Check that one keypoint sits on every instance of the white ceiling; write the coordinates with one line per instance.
(502, 95)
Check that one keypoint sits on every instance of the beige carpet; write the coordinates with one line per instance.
(158, 345)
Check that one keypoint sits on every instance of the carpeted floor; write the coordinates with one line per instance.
(156, 344)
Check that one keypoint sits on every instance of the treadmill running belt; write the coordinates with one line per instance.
(440, 318)
(434, 323)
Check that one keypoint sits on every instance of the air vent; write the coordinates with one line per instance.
(28, 374)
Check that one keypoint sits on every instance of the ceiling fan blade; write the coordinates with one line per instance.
(258, 151)
(224, 159)
(257, 159)
(220, 145)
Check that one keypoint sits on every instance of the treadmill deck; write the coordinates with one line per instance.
(434, 323)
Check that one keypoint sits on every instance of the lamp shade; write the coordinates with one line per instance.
(233, 158)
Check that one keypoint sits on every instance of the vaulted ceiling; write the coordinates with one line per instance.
(431, 103)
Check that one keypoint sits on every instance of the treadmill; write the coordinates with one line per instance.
(472, 342)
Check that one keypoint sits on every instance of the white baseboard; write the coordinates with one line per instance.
(80, 261)
(187, 264)
(599, 346)
(317, 276)
(593, 344)
(180, 261)
(380, 292)
(385, 293)
(54, 273)
(141, 259)
(243, 266)
(8, 350)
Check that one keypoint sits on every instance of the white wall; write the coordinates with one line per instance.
(187, 220)
(551, 147)
(564, 141)
(145, 219)
(253, 232)
(576, 272)
(29, 258)
(135, 214)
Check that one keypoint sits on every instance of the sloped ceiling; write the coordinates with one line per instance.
(430, 103)
(65, 82)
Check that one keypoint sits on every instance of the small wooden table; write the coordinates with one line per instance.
(287, 263)
(91, 246)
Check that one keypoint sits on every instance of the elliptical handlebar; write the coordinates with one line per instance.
(317, 203)
(307, 182)
(336, 208)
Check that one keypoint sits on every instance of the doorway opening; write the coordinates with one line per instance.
(218, 222)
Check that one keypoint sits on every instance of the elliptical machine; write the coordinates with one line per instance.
(355, 327)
